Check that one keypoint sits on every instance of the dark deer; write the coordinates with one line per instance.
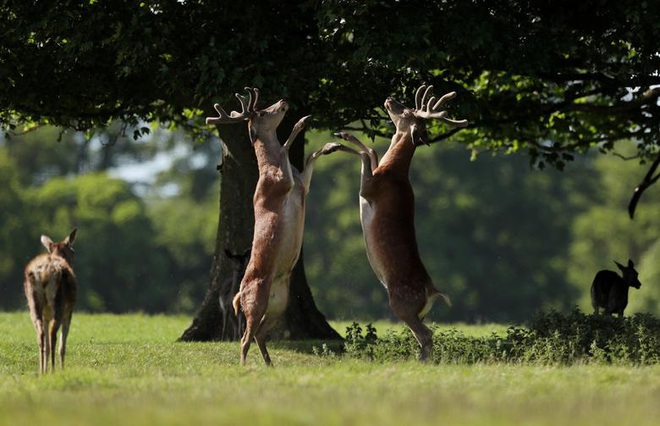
(232, 325)
(609, 291)
(50, 288)
(279, 214)
(387, 213)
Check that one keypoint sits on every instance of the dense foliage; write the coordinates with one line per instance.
(550, 78)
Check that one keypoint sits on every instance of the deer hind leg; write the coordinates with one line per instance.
(260, 338)
(66, 323)
(258, 333)
(408, 309)
(254, 302)
(53, 328)
(41, 343)
(424, 337)
(38, 322)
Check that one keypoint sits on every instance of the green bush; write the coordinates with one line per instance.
(551, 338)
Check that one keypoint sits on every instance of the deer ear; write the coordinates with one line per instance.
(630, 263)
(46, 242)
(72, 237)
(253, 132)
(418, 137)
(620, 265)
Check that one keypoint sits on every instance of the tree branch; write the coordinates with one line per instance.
(648, 180)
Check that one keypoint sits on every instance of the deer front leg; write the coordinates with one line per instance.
(297, 128)
(373, 157)
(306, 175)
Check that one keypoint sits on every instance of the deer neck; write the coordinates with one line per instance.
(267, 149)
(400, 153)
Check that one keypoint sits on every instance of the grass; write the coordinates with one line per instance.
(129, 370)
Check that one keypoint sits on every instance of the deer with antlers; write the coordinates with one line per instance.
(387, 211)
(50, 288)
(279, 214)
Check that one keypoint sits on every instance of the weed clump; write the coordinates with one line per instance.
(551, 338)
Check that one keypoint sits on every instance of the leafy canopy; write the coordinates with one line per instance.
(549, 78)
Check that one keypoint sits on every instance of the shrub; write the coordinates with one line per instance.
(551, 338)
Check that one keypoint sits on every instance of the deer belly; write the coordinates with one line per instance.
(279, 295)
(378, 264)
(292, 227)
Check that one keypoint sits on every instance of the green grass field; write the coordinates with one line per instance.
(129, 370)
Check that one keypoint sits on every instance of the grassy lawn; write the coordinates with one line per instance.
(128, 370)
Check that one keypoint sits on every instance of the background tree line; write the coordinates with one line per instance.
(504, 239)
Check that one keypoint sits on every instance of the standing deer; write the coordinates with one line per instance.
(610, 291)
(232, 326)
(387, 213)
(279, 215)
(50, 288)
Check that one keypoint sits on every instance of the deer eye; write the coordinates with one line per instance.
(261, 113)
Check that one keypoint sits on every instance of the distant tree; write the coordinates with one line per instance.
(18, 236)
(118, 267)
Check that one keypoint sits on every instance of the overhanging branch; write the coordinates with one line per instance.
(648, 180)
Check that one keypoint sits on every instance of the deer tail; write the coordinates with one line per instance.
(236, 303)
(434, 294)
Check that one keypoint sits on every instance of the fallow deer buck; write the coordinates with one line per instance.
(279, 214)
(50, 288)
(387, 213)
(609, 291)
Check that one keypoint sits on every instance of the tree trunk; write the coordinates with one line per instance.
(215, 319)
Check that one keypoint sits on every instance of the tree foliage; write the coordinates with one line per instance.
(551, 78)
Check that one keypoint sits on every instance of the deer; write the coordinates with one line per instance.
(50, 288)
(279, 217)
(609, 291)
(229, 290)
(387, 212)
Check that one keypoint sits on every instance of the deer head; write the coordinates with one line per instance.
(62, 249)
(629, 274)
(265, 120)
(411, 121)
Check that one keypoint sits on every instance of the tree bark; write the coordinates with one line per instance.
(215, 319)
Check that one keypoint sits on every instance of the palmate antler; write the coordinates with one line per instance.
(248, 109)
(429, 108)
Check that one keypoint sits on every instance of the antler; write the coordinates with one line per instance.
(248, 109)
(429, 108)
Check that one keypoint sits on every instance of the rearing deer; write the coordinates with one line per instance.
(387, 213)
(50, 288)
(279, 215)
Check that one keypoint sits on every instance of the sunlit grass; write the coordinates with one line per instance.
(129, 370)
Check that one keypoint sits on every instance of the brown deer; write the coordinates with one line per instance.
(50, 288)
(610, 291)
(387, 213)
(279, 215)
